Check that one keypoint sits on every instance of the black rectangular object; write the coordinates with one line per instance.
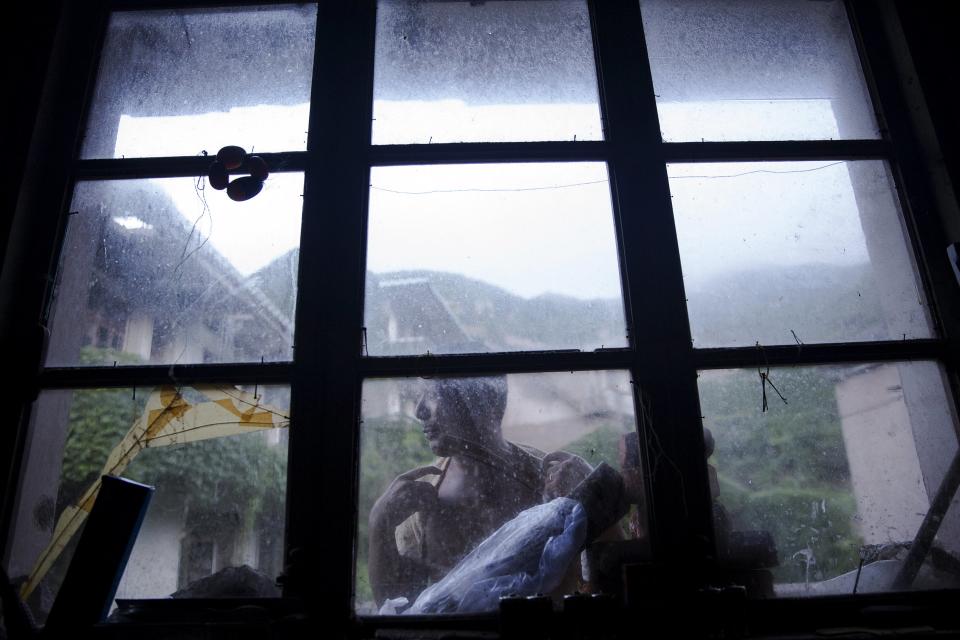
(101, 556)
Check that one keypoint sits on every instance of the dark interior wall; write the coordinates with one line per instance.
(26, 37)
(932, 33)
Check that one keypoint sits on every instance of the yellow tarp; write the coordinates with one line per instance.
(168, 418)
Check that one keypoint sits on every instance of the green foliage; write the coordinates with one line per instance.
(98, 419)
(233, 478)
(388, 447)
(811, 527)
(785, 470)
(601, 445)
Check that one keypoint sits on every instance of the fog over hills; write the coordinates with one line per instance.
(815, 303)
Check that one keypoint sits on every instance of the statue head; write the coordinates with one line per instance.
(463, 415)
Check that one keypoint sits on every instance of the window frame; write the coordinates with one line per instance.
(328, 368)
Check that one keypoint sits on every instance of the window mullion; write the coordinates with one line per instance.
(657, 317)
(323, 452)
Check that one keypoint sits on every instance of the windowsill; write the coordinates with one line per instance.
(925, 613)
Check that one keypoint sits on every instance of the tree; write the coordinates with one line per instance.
(785, 470)
(234, 482)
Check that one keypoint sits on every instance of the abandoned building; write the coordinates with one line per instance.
(510, 318)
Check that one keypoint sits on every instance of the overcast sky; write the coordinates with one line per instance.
(528, 228)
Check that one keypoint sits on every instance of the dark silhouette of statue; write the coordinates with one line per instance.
(432, 516)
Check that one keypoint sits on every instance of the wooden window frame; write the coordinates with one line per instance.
(328, 368)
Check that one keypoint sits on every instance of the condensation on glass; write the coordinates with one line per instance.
(479, 258)
(766, 70)
(845, 469)
(444, 462)
(795, 252)
(160, 272)
(484, 72)
(217, 456)
(178, 82)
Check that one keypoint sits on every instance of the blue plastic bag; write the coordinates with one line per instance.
(530, 554)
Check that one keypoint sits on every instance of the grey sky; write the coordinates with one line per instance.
(546, 240)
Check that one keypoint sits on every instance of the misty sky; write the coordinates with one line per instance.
(528, 228)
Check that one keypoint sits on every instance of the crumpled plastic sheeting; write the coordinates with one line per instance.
(530, 554)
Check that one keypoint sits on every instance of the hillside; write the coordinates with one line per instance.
(817, 303)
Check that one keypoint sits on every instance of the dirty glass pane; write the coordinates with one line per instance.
(758, 70)
(842, 468)
(448, 465)
(214, 527)
(484, 72)
(788, 252)
(163, 272)
(177, 82)
(476, 258)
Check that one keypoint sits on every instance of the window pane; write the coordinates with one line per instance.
(219, 468)
(781, 252)
(176, 82)
(160, 272)
(475, 258)
(484, 72)
(759, 70)
(846, 470)
(488, 451)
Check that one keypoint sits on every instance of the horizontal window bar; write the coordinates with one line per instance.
(804, 354)
(471, 152)
(797, 150)
(481, 363)
(484, 363)
(480, 152)
(126, 376)
(178, 166)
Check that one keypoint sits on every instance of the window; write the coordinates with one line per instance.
(163, 273)
(507, 253)
(810, 250)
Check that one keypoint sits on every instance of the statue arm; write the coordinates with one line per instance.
(562, 472)
(391, 574)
